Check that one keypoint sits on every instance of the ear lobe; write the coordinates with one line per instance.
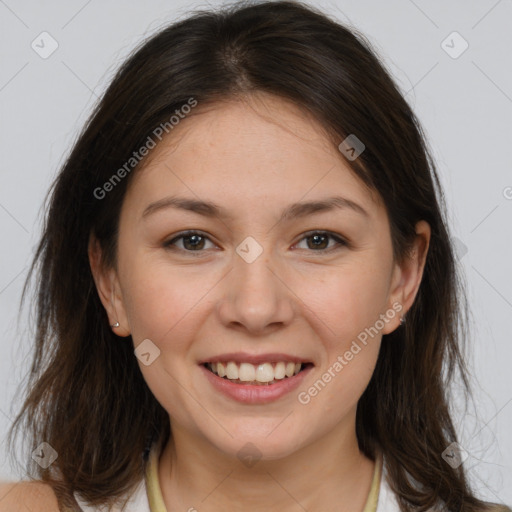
(106, 282)
(410, 273)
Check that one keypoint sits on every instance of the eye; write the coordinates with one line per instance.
(319, 240)
(193, 241)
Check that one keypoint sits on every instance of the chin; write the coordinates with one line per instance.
(249, 447)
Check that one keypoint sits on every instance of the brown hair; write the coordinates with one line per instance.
(86, 396)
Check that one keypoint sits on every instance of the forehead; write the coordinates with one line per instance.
(255, 148)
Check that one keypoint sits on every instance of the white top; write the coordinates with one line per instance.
(139, 501)
(387, 499)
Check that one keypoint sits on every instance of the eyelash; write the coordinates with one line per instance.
(170, 245)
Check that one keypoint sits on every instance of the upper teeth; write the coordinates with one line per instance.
(247, 372)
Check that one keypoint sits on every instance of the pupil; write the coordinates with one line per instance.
(316, 239)
(196, 238)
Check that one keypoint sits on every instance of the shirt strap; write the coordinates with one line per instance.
(155, 498)
(373, 497)
(156, 501)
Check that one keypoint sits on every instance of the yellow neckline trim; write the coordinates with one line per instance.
(373, 496)
(156, 500)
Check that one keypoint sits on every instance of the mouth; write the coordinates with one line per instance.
(264, 374)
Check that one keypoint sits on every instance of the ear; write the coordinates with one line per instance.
(407, 275)
(109, 291)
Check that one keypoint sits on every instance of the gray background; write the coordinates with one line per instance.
(464, 104)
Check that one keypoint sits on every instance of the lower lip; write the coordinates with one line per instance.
(255, 394)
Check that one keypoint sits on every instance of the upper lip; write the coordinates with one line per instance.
(245, 357)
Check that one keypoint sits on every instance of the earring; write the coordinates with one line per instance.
(402, 320)
(115, 325)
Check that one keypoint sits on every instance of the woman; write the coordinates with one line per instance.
(247, 293)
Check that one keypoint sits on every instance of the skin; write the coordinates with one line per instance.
(253, 158)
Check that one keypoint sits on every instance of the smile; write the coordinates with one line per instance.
(261, 374)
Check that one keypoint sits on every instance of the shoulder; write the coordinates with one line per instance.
(388, 502)
(33, 495)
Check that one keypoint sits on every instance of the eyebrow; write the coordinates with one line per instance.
(295, 210)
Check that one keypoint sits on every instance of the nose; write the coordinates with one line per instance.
(256, 297)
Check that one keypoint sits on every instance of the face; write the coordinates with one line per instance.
(252, 283)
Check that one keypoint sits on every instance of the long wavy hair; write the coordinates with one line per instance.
(85, 394)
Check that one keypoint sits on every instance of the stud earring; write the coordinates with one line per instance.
(115, 325)
(402, 320)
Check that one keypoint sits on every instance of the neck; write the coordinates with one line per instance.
(329, 475)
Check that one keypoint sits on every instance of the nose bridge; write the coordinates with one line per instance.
(255, 296)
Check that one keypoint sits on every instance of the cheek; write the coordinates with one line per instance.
(344, 306)
(346, 300)
(160, 297)
(163, 304)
